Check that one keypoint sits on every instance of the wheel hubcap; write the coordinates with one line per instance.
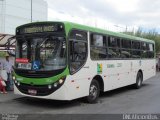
(139, 81)
(93, 92)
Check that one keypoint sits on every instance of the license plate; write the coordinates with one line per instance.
(32, 92)
(27, 66)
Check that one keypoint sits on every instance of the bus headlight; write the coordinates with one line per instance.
(18, 84)
(14, 78)
(61, 81)
(49, 86)
(15, 81)
(55, 84)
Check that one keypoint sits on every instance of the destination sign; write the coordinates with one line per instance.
(40, 28)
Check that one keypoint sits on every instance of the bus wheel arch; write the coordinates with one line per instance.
(99, 79)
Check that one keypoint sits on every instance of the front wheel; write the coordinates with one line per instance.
(139, 80)
(94, 92)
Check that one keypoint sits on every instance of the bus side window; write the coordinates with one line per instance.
(126, 48)
(114, 47)
(136, 52)
(77, 50)
(144, 49)
(98, 47)
(151, 51)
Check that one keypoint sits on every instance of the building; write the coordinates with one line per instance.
(17, 12)
(14, 13)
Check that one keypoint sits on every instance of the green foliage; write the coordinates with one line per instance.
(2, 54)
(152, 35)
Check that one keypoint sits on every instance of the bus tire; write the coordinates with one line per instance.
(94, 92)
(139, 80)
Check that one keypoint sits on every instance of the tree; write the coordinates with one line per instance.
(151, 34)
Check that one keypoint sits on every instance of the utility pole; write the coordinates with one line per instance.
(126, 28)
(2, 15)
(31, 10)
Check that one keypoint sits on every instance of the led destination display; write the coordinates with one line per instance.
(40, 28)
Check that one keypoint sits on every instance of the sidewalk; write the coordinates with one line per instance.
(9, 96)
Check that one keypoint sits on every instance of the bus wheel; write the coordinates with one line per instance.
(139, 80)
(94, 92)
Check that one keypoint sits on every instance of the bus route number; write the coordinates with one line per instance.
(27, 66)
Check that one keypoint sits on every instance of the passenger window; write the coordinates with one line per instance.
(144, 46)
(151, 51)
(144, 49)
(77, 50)
(98, 40)
(98, 53)
(126, 48)
(125, 53)
(136, 52)
(151, 47)
(136, 45)
(98, 47)
(126, 44)
(114, 53)
(113, 42)
(114, 47)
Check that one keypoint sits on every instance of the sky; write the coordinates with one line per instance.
(116, 15)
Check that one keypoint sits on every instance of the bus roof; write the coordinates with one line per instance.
(101, 31)
(93, 29)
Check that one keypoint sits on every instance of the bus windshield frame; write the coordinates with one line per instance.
(31, 46)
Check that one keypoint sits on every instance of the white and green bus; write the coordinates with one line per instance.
(66, 61)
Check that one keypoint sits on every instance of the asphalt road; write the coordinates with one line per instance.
(123, 100)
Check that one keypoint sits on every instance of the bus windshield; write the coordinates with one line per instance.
(41, 53)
